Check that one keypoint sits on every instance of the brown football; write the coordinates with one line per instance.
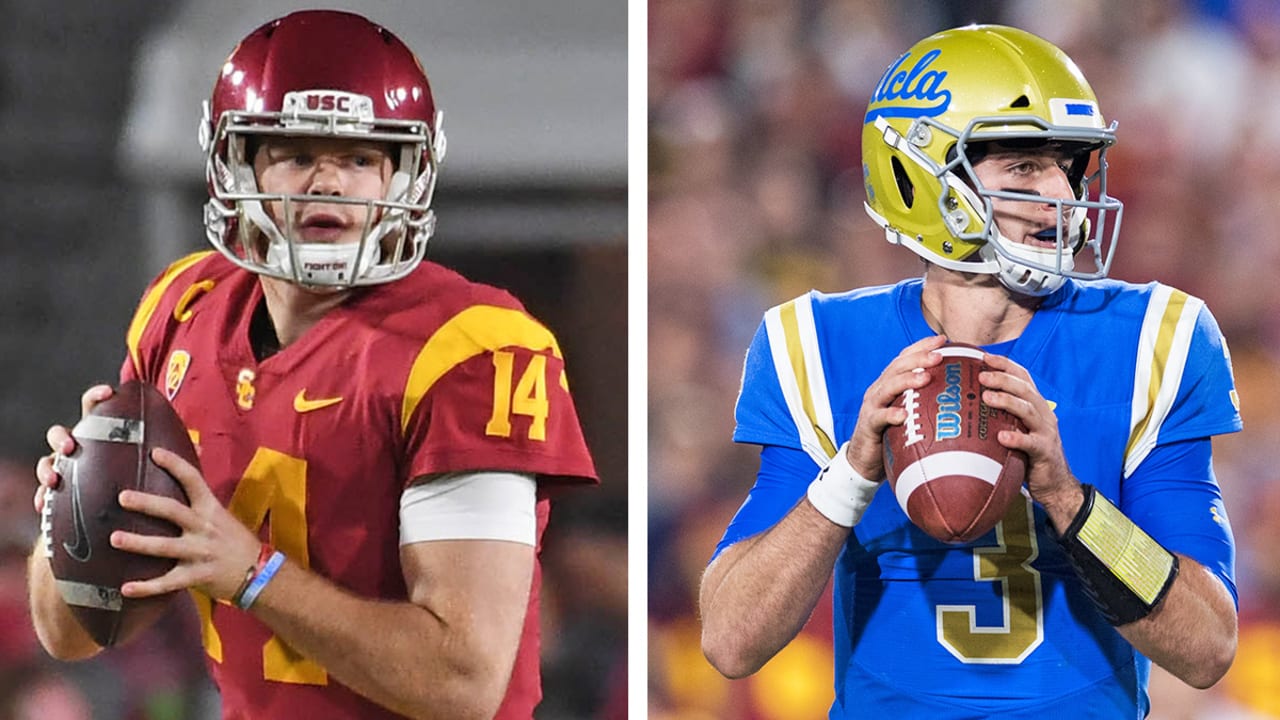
(113, 453)
(950, 474)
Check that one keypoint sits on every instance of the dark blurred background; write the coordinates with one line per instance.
(101, 186)
(755, 196)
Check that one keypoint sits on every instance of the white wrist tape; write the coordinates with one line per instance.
(840, 493)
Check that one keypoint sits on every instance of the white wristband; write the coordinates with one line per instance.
(840, 493)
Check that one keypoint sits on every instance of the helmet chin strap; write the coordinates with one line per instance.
(318, 263)
(1023, 278)
(322, 263)
(393, 220)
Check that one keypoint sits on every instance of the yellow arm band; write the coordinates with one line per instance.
(1124, 570)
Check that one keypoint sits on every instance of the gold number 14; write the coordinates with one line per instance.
(529, 397)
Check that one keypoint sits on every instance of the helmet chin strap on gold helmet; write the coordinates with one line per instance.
(1022, 268)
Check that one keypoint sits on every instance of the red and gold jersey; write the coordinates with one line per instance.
(313, 445)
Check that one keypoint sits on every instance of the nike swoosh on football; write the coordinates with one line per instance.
(302, 404)
(79, 550)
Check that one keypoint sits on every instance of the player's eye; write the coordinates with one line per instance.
(371, 158)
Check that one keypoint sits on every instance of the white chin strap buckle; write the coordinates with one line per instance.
(1023, 278)
(322, 264)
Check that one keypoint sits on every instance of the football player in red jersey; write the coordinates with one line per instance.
(377, 434)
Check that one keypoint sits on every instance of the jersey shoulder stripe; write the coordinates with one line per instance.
(470, 332)
(797, 359)
(1164, 343)
(151, 301)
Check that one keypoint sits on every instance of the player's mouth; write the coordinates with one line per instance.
(1046, 238)
(322, 227)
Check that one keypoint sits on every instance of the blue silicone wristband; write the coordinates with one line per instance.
(260, 581)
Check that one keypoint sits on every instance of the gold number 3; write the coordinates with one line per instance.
(1008, 563)
(273, 484)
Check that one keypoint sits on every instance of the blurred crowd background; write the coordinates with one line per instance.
(755, 196)
(101, 186)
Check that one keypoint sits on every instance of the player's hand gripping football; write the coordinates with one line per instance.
(61, 443)
(866, 446)
(214, 549)
(1049, 479)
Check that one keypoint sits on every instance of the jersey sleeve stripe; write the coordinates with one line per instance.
(793, 342)
(149, 303)
(478, 329)
(1163, 346)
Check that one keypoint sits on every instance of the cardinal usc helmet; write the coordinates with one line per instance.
(321, 74)
(936, 112)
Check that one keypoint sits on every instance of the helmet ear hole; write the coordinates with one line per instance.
(1022, 102)
(905, 187)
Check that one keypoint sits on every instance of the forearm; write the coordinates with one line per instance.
(403, 656)
(1192, 633)
(55, 626)
(758, 594)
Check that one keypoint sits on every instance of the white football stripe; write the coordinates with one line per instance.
(956, 351)
(100, 597)
(110, 429)
(952, 462)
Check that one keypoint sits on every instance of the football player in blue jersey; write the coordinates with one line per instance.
(984, 152)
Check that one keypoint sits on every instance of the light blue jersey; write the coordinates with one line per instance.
(1140, 378)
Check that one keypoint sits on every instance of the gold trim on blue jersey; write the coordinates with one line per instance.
(797, 358)
(1163, 345)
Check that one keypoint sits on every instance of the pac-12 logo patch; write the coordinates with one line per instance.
(179, 361)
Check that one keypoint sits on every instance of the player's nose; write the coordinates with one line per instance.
(326, 177)
(1054, 184)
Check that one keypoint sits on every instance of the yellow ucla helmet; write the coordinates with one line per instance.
(930, 119)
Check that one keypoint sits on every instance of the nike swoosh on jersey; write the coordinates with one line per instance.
(302, 404)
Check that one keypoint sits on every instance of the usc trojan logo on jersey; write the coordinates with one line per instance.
(244, 388)
(179, 361)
